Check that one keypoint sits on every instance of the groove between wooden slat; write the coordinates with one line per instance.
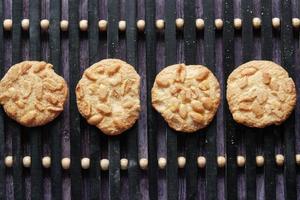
(230, 132)
(287, 56)
(2, 115)
(93, 35)
(248, 133)
(13, 126)
(191, 170)
(211, 130)
(54, 127)
(170, 58)
(269, 144)
(36, 171)
(74, 75)
(132, 134)
(151, 115)
(113, 142)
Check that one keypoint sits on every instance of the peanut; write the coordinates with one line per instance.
(183, 111)
(51, 99)
(243, 82)
(39, 67)
(244, 106)
(113, 69)
(266, 78)
(274, 86)
(51, 85)
(207, 104)
(249, 71)
(24, 68)
(103, 92)
(39, 106)
(54, 109)
(27, 89)
(79, 92)
(204, 86)
(196, 117)
(180, 73)
(28, 117)
(86, 108)
(197, 106)
(20, 104)
(91, 75)
(95, 119)
(161, 82)
(258, 110)
(115, 80)
(262, 97)
(39, 91)
(203, 74)
(103, 108)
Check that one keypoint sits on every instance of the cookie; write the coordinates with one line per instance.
(32, 93)
(186, 96)
(108, 96)
(260, 93)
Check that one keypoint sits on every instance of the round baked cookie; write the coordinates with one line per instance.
(32, 93)
(108, 96)
(186, 96)
(260, 93)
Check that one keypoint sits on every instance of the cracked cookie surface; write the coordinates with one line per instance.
(108, 96)
(186, 96)
(260, 93)
(32, 93)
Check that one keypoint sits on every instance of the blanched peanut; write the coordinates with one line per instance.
(196, 117)
(197, 106)
(79, 92)
(54, 109)
(28, 117)
(249, 71)
(103, 108)
(161, 82)
(103, 92)
(180, 73)
(203, 74)
(113, 69)
(91, 75)
(182, 111)
(207, 104)
(96, 119)
(243, 82)
(266, 78)
(39, 67)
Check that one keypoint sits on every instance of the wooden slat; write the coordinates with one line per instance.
(15, 128)
(230, 132)
(269, 144)
(248, 133)
(151, 114)
(113, 142)
(287, 57)
(170, 58)
(191, 170)
(36, 171)
(93, 37)
(2, 115)
(132, 134)
(211, 131)
(54, 127)
(74, 75)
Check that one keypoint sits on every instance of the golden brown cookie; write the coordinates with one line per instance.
(260, 93)
(32, 93)
(186, 96)
(108, 96)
